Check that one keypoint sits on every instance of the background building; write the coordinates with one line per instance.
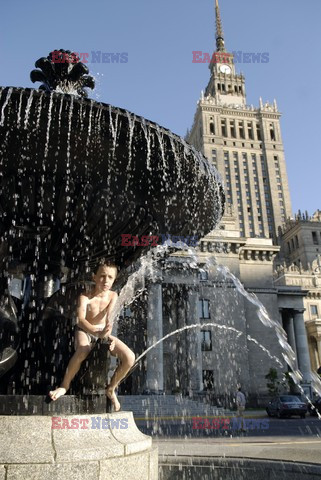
(300, 267)
(244, 143)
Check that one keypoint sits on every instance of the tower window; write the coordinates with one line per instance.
(250, 130)
(212, 130)
(223, 127)
(219, 86)
(232, 127)
(315, 238)
(314, 310)
(241, 130)
(272, 133)
(204, 308)
(206, 340)
(203, 275)
(258, 132)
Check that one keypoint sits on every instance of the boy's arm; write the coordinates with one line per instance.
(81, 315)
(109, 317)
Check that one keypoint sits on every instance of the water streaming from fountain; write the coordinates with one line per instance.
(71, 156)
(137, 284)
(64, 160)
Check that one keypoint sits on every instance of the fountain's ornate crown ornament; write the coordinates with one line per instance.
(63, 72)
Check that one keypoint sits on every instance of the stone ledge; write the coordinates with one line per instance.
(67, 405)
(141, 466)
(132, 440)
(31, 449)
(25, 440)
(67, 471)
(2, 472)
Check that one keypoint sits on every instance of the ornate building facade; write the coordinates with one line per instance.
(300, 267)
(222, 342)
(244, 143)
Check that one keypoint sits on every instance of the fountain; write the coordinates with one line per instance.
(75, 175)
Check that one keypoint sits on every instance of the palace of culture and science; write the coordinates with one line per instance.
(273, 254)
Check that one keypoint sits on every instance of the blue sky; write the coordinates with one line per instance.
(161, 83)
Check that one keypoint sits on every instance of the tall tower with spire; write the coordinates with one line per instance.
(245, 145)
(220, 46)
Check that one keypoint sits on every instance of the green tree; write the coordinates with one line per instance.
(273, 383)
(289, 382)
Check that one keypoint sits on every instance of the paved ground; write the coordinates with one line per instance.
(305, 449)
(291, 439)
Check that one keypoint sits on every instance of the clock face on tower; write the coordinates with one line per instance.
(225, 69)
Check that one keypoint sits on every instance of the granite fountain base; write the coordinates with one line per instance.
(99, 447)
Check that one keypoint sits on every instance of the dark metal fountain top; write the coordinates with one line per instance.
(76, 175)
(62, 72)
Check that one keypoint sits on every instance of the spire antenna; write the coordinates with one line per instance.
(220, 46)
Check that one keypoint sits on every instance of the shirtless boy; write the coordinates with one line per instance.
(94, 321)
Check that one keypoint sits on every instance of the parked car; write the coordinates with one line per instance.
(286, 406)
(317, 406)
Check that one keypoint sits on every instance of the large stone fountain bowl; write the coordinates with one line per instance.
(76, 174)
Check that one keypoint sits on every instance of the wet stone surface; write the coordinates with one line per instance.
(67, 405)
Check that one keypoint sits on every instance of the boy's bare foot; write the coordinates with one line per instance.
(110, 392)
(55, 394)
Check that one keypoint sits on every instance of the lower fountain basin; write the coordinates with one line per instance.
(110, 446)
(209, 468)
